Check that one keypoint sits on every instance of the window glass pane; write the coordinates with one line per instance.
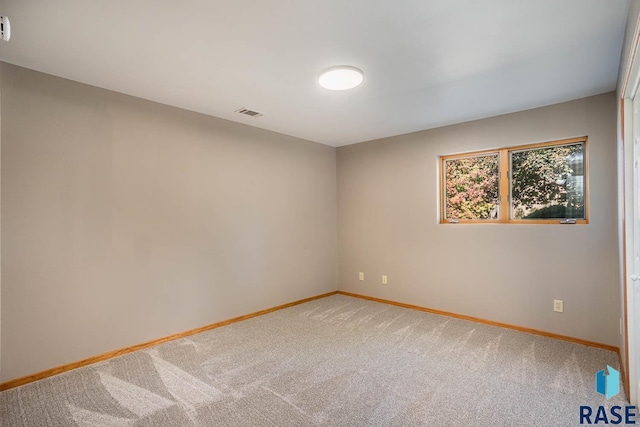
(472, 187)
(548, 182)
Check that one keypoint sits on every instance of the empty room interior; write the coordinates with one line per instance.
(319, 213)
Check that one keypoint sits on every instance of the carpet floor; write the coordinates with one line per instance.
(335, 361)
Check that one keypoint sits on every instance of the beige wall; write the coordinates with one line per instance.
(125, 220)
(387, 224)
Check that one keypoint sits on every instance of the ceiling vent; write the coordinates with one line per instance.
(249, 113)
(5, 28)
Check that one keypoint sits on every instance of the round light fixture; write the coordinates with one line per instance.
(342, 77)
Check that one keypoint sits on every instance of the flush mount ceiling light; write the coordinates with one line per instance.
(342, 77)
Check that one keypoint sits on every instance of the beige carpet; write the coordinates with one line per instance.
(337, 361)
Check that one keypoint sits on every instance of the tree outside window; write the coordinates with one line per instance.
(472, 187)
(537, 183)
(548, 182)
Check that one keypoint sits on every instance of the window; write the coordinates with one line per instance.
(472, 187)
(538, 183)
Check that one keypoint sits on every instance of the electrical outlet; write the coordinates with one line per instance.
(558, 305)
(384, 279)
(361, 276)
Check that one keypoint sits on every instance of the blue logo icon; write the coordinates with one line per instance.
(608, 385)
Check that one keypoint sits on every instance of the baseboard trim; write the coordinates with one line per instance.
(111, 354)
(487, 322)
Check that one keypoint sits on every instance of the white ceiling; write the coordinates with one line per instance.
(427, 63)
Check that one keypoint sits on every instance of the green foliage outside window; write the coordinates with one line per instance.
(546, 182)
